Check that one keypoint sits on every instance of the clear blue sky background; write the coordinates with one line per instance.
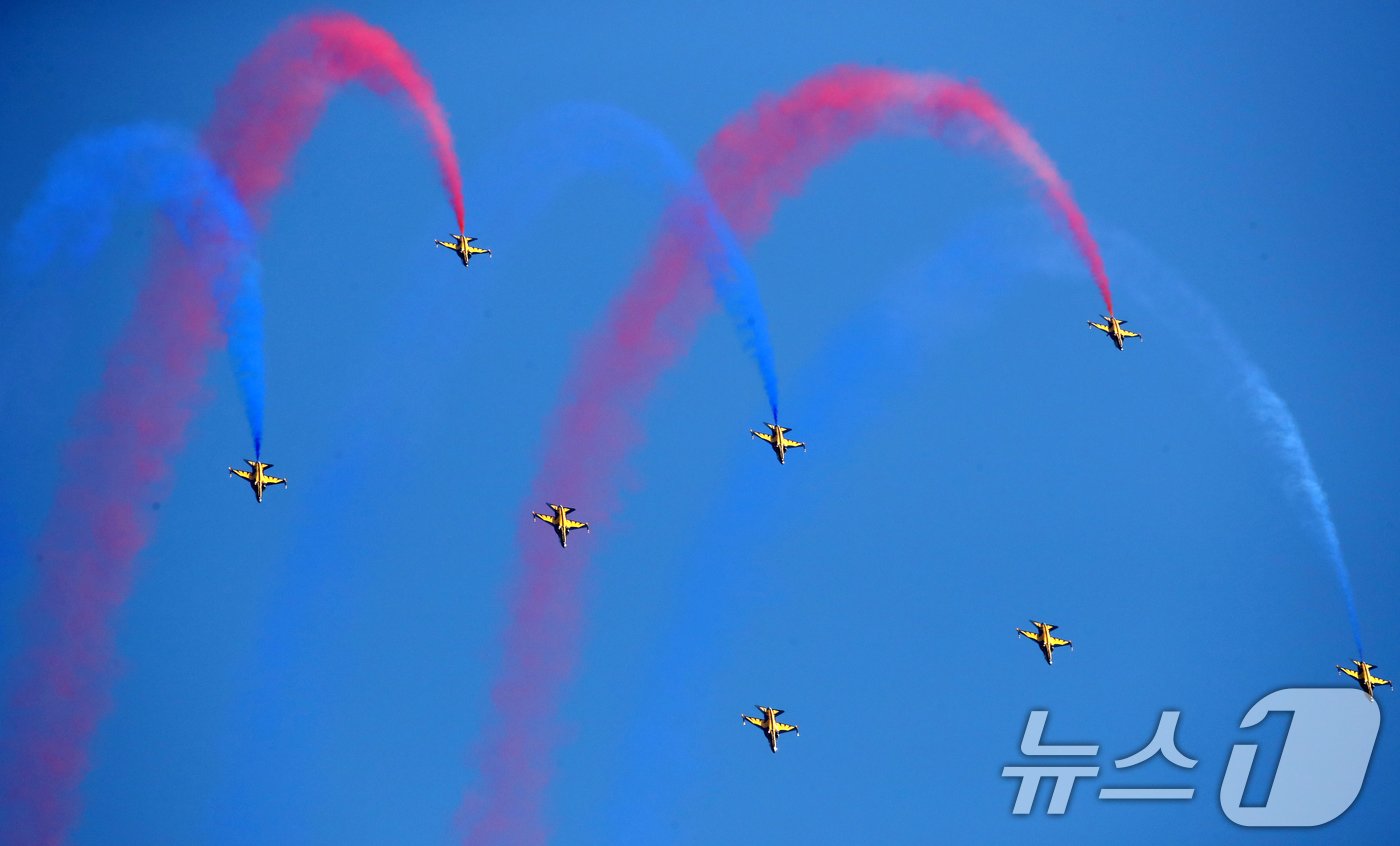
(315, 670)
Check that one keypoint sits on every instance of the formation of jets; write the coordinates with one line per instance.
(776, 437)
(1048, 642)
(770, 725)
(256, 477)
(559, 519)
(462, 246)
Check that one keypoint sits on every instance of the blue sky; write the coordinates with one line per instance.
(315, 669)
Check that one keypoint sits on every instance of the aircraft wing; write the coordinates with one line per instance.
(790, 443)
(1127, 334)
(548, 518)
(1354, 674)
(784, 727)
(753, 721)
(1377, 680)
(1030, 635)
(273, 480)
(1059, 641)
(574, 524)
(1101, 327)
(241, 474)
(768, 438)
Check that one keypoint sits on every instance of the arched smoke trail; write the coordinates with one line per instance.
(872, 357)
(514, 182)
(768, 154)
(162, 166)
(573, 140)
(100, 520)
(752, 163)
(277, 96)
(86, 183)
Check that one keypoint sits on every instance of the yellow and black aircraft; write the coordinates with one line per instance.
(1114, 329)
(770, 725)
(776, 440)
(256, 477)
(1048, 642)
(561, 523)
(1363, 677)
(462, 246)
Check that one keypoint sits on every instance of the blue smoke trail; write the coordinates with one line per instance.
(164, 167)
(532, 164)
(1272, 413)
(1160, 285)
(872, 357)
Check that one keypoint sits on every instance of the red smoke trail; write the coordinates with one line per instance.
(279, 92)
(118, 462)
(113, 470)
(768, 154)
(756, 160)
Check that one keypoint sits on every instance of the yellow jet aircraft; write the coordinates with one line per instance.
(779, 443)
(1048, 642)
(1363, 677)
(1115, 330)
(561, 523)
(770, 725)
(462, 246)
(256, 477)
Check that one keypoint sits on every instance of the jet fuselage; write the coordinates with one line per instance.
(778, 445)
(1043, 630)
(559, 528)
